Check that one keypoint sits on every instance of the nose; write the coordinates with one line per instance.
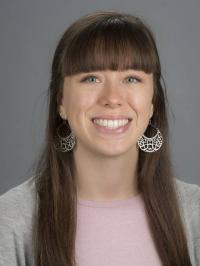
(112, 95)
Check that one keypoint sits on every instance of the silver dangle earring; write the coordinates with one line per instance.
(151, 144)
(64, 142)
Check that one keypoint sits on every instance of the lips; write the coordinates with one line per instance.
(112, 131)
(112, 117)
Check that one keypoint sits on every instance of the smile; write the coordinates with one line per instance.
(114, 126)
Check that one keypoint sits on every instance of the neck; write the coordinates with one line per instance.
(105, 178)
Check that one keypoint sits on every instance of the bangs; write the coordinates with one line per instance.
(117, 45)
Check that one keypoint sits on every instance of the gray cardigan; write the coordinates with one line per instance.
(16, 215)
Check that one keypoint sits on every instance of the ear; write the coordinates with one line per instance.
(62, 112)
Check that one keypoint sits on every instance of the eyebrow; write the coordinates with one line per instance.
(100, 71)
(139, 73)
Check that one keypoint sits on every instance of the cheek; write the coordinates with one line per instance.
(140, 102)
(77, 103)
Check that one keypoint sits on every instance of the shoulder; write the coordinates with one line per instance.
(18, 201)
(189, 194)
(17, 207)
(189, 198)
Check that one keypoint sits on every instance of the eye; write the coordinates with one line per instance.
(90, 79)
(132, 79)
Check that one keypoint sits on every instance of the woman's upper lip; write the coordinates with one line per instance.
(112, 117)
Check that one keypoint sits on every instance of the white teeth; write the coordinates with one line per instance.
(110, 123)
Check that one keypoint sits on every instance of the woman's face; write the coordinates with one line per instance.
(108, 96)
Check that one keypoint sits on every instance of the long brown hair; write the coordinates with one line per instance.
(98, 41)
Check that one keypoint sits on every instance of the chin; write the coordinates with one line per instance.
(114, 151)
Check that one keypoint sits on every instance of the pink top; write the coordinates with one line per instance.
(114, 233)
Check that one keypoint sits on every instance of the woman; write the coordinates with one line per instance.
(106, 192)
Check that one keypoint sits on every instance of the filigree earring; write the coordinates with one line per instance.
(65, 141)
(151, 144)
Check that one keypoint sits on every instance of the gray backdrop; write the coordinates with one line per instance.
(30, 31)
